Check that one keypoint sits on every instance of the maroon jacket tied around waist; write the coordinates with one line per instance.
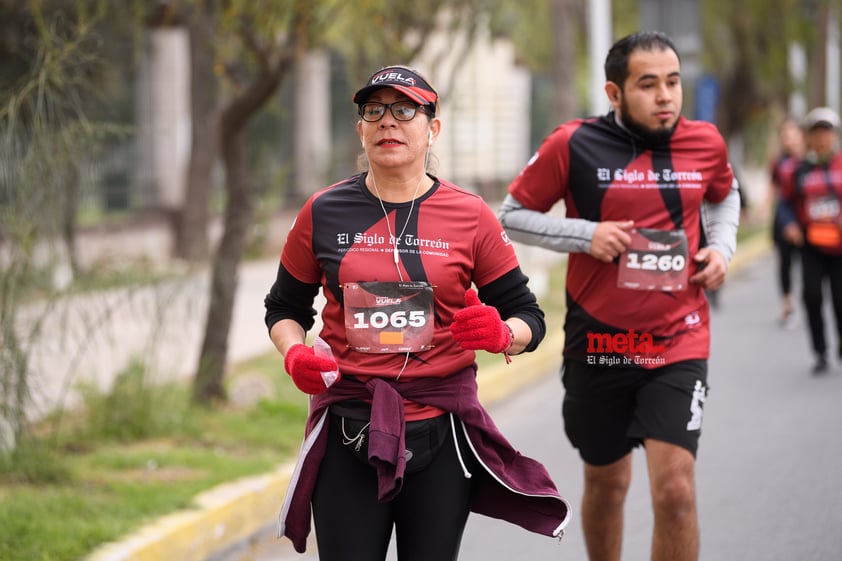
(512, 487)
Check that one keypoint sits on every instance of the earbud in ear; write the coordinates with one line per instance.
(430, 138)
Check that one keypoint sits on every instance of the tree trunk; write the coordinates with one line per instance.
(208, 387)
(564, 17)
(191, 240)
(741, 92)
(69, 211)
(311, 122)
(818, 62)
(233, 125)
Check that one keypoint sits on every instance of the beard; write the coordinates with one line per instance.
(650, 135)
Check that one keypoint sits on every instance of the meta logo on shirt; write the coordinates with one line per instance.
(624, 349)
(631, 342)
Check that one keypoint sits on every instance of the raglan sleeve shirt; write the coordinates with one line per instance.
(534, 193)
(298, 280)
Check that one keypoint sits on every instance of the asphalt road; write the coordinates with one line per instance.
(769, 472)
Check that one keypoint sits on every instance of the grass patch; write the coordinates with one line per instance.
(105, 473)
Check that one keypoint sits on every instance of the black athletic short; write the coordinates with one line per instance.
(609, 410)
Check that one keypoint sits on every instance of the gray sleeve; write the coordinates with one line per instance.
(721, 221)
(556, 233)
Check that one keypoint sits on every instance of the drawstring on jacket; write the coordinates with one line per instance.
(458, 451)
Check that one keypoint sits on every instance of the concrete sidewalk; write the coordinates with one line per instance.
(236, 512)
(93, 337)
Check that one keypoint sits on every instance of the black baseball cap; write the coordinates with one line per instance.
(402, 79)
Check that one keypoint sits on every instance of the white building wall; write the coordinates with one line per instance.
(164, 118)
(311, 122)
(485, 102)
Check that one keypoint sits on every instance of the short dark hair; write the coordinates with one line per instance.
(617, 61)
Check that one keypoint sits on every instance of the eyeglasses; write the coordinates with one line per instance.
(401, 110)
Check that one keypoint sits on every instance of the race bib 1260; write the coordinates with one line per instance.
(388, 317)
(654, 260)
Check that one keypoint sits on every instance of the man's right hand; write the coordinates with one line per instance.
(610, 239)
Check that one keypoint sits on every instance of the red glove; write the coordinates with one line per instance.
(306, 368)
(479, 327)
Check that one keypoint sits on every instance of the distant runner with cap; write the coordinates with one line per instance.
(810, 209)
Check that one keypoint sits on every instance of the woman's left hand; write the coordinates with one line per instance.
(479, 327)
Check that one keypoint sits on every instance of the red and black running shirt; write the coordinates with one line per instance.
(814, 192)
(451, 239)
(603, 172)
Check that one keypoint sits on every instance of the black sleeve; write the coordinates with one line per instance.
(511, 295)
(289, 298)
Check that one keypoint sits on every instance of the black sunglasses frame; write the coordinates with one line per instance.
(361, 111)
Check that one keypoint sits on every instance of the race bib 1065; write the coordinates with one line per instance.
(388, 317)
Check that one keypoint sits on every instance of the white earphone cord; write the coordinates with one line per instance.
(386, 216)
(389, 229)
(405, 224)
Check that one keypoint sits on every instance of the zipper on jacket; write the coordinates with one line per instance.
(559, 531)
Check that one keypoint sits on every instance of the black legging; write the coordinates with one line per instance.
(815, 268)
(787, 254)
(429, 514)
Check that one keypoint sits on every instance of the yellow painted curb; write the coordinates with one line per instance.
(498, 382)
(224, 516)
(749, 250)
